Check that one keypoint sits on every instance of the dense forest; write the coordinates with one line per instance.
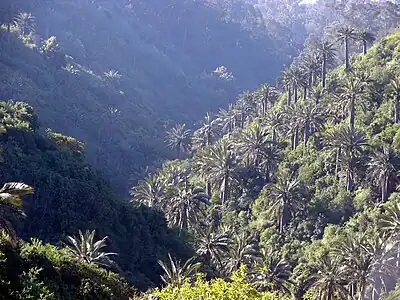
(289, 192)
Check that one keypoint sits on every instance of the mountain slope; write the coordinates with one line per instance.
(131, 68)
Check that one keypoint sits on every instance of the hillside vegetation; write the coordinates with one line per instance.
(299, 186)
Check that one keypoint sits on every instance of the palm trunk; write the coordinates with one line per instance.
(295, 92)
(396, 108)
(274, 135)
(346, 49)
(365, 47)
(384, 189)
(310, 79)
(305, 92)
(208, 188)
(349, 179)
(324, 71)
(226, 188)
(352, 113)
(296, 138)
(281, 220)
(305, 134)
(362, 291)
(338, 154)
(289, 96)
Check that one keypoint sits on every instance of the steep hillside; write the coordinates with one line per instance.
(301, 187)
(70, 196)
(131, 68)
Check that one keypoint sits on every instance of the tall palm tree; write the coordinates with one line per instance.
(178, 138)
(227, 119)
(25, 22)
(365, 261)
(274, 122)
(395, 87)
(212, 245)
(329, 280)
(252, 145)
(353, 92)
(85, 248)
(349, 146)
(150, 192)
(311, 65)
(383, 168)
(266, 96)
(218, 162)
(272, 271)
(327, 51)
(284, 197)
(344, 35)
(206, 134)
(365, 37)
(186, 205)
(286, 80)
(242, 252)
(308, 118)
(10, 203)
(175, 273)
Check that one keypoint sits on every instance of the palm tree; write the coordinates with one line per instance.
(395, 86)
(218, 163)
(212, 245)
(329, 280)
(175, 273)
(274, 121)
(383, 168)
(272, 271)
(25, 22)
(206, 134)
(186, 205)
(284, 197)
(178, 138)
(344, 35)
(310, 63)
(307, 117)
(227, 119)
(252, 145)
(349, 146)
(354, 92)
(242, 252)
(365, 37)
(266, 96)
(150, 192)
(365, 261)
(85, 248)
(327, 51)
(10, 203)
(286, 79)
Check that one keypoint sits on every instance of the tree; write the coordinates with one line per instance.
(252, 145)
(383, 168)
(273, 273)
(365, 37)
(327, 51)
(395, 87)
(175, 273)
(266, 96)
(178, 138)
(344, 35)
(25, 22)
(85, 248)
(307, 117)
(218, 163)
(242, 252)
(353, 92)
(212, 245)
(206, 134)
(329, 281)
(150, 192)
(11, 201)
(274, 121)
(349, 146)
(284, 197)
(227, 119)
(186, 205)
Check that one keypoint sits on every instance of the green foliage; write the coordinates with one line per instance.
(236, 288)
